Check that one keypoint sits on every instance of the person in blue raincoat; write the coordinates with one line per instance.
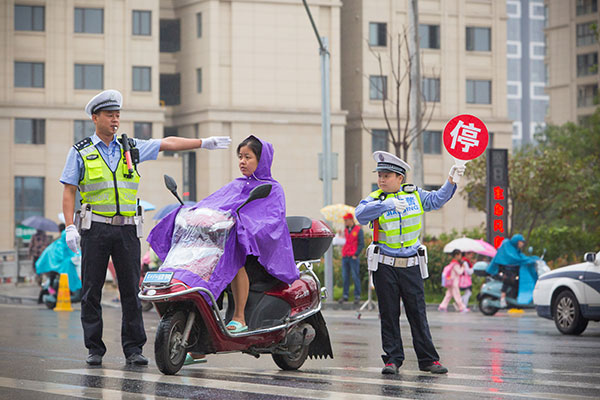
(58, 257)
(515, 264)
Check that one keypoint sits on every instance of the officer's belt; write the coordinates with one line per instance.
(116, 220)
(399, 262)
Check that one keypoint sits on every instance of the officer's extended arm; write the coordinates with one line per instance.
(370, 209)
(174, 143)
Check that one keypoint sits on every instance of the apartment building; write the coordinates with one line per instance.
(526, 69)
(192, 68)
(464, 71)
(572, 59)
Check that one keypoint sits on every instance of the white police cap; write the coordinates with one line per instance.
(106, 100)
(389, 162)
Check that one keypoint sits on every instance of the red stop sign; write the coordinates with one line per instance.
(465, 137)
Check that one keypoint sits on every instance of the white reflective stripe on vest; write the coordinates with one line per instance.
(96, 186)
(407, 237)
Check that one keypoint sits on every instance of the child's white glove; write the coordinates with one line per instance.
(397, 204)
(456, 172)
(72, 237)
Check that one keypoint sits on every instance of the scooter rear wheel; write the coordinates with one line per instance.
(168, 351)
(291, 362)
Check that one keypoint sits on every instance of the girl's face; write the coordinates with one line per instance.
(248, 161)
(389, 182)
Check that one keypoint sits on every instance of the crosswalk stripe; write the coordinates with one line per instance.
(246, 387)
(83, 392)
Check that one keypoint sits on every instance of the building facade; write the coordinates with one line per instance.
(525, 53)
(572, 59)
(192, 68)
(464, 71)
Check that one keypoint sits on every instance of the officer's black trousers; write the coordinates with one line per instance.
(391, 284)
(97, 245)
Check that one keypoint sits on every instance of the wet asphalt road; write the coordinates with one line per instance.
(42, 357)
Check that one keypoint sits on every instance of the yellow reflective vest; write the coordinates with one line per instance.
(390, 233)
(109, 193)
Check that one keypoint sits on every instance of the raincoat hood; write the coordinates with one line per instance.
(516, 239)
(260, 230)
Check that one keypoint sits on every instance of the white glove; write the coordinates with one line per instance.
(456, 172)
(216, 142)
(398, 204)
(72, 237)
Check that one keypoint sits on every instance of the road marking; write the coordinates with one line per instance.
(83, 392)
(245, 387)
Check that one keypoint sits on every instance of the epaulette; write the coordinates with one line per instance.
(409, 188)
(83, 143)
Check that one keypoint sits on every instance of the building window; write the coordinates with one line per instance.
(142, 23)
(587, 64)
(142, 130)
(189, 175)
(83, 128)
(199, 25)
(30, 131)
(432, 142)
(429, 36)
(29, 74)
(479, 39)
(586, 34)
(379, 140)
(374, 187)
(377, 87)
(584, 7)
(170, 89)
(89, 20)
(378, 34)
(142, 79)
(169, 35)
(29, 197)
(586, 95)
(479, 91)
(199, 80)
(431, 89)
(29, 18)
(89, 76)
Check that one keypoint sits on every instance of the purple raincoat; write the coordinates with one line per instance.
(261, 230)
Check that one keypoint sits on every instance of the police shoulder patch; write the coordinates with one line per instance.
(409, 188)
(83, 143)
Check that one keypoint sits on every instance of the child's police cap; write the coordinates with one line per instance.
(109, 100)
(389, 162)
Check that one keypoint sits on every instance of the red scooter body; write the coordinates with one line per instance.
(284, 320)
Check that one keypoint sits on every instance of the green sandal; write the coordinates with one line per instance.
(238, 327)
(189, 360)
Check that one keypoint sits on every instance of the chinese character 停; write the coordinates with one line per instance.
(465, 135)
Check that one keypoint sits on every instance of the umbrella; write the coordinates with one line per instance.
(335, 212)
(465, 245)
(490, 250)
(147, 206)
(163, 212)
(39, 222)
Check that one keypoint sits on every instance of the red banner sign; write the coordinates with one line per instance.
(465, 137)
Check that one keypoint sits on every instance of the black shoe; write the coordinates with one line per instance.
(435, 368)
(137, 359)
(342, 300)
(390, 369)
(94, 359)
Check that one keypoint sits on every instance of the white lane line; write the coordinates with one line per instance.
(244, 387)
(492, 391)
(81, 392)
(553, 372)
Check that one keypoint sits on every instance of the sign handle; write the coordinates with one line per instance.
(459, 163)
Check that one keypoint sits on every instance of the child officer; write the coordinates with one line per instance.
(399, 209)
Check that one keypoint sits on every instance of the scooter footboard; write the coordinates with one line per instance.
(321, 345)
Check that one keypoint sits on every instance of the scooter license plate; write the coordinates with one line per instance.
(157, 278)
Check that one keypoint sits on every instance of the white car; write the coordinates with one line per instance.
(570, 295)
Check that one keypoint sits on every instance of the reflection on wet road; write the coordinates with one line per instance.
(42, 356)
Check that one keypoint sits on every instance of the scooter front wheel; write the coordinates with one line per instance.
(168, 350)
(293, 361)
(486, 307)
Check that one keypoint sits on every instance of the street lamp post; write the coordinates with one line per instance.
(326, 135)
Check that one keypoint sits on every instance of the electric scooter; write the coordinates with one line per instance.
(283, 320)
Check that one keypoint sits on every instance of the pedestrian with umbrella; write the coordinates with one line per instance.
(40, 240)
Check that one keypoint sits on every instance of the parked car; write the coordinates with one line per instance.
(570, 295)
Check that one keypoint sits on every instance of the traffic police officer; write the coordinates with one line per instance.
(398, 208)
(97, 167)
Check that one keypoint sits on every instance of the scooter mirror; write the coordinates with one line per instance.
(530, 249)
(259, 192)
(172, 186)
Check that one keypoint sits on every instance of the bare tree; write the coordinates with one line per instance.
(398, 127)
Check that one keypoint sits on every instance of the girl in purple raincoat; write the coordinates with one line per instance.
(261, 231)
